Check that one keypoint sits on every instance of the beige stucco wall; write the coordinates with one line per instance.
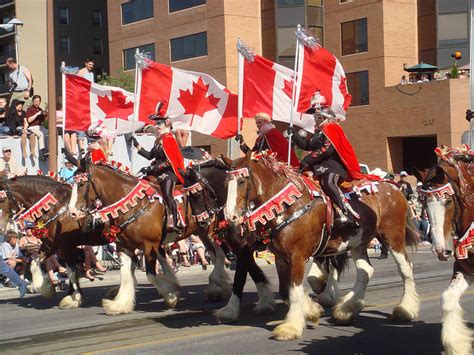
(32, 42)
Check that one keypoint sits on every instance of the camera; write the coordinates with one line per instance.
(2, 110)
(13, 86)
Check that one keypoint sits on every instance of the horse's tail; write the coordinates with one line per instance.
(339, 262)
(412, 236)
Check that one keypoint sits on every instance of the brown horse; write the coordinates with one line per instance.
(448, 196)
(42, 200)
(139, 222)
(272, 194)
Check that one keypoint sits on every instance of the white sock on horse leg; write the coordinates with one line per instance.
(124, 301)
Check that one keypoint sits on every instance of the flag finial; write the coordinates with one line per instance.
(142, 59)
(248, 54)
(307, 38)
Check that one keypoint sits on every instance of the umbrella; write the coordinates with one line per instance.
(192, 153)
(421, 68)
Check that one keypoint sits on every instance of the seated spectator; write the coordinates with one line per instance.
(8, 166)
(16, 117)
(403, 80)
(11, 254)
(35, 116)
(67, 171)
(198, 247)
(183, 253)
(104, 137)
(13, 278)
(3, 116)
(436, 75)
(89, 260)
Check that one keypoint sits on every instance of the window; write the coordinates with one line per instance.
(136, 10)
(358, 86)
(189, 46)
(97, 46)
(354, 36)
(286, 42)
(177, 5)
(63, 13)
(129, 55)
(64, 44)
(314, 16)
(286, 3)
(290, 16)
(314, 2)
(97, 18)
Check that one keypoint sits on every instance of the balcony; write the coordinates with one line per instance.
(6, 3)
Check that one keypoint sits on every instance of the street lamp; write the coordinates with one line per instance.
(15, 23)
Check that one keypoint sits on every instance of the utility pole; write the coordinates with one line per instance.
(52, 134)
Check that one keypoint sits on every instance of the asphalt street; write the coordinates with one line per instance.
(35, 325)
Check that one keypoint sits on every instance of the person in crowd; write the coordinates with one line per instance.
(91, 259)
(67, 171)
(16, 117)
(30, 246)
(13, 278)
(8, 166)
(331, 157)
(183, 252)
(269, 138)
(3, 116)
(403, 80)
(420, 215)
(59, 119)
(20, 81)
(104, 137)
(198, 247)
(35, 116)
(88, 71)
(11, 254)
(405, 186)
(168, 166)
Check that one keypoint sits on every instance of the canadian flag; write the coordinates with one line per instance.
(195, 101)
(319, 70)
(267, 87)
(88, 104)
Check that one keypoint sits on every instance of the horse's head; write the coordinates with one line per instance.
(244, 188)
(85, 197)
(439, 196)
(201, 197)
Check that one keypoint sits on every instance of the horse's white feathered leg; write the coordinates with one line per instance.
(408, 308)
(455, 335)
(124, 301)
(351, 304)
(73, 300)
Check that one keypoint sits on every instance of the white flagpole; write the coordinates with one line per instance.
(63, 105)
(293, 92)
(240, 87)
(136, 103)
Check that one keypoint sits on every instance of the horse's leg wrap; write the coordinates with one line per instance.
(409, 306)
(331, 293)
(74, 298)
(455, 335)
(351, 304)
(124, 301)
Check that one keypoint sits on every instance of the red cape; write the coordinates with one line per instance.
(98, 155)
(279, 145)
(340, 142)
(172, 152)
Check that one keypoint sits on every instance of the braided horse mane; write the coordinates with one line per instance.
(457, 158)
(278, 168)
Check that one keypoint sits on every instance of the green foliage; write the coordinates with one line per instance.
(119, 79)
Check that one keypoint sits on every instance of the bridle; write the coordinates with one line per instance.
(245, 173)
(87, 207)
(442, 193)
(209, 197)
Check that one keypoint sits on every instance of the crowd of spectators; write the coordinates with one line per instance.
(419, 78)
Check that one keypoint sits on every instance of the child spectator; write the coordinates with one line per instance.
(16, 117)
(3, 116)
(11, 254)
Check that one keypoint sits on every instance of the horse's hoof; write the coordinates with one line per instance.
(115, 308)
(264, 308)
(317, 285)
(401, 315)
(314, 312)
(287, 331)
(69, 303)
(171, 300)
(226, 315)
(343, 316)
(326, 300)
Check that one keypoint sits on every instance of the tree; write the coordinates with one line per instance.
(118, 79)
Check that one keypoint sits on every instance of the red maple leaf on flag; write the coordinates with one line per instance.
(288, 88)
(117, 107)
(197, 103)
